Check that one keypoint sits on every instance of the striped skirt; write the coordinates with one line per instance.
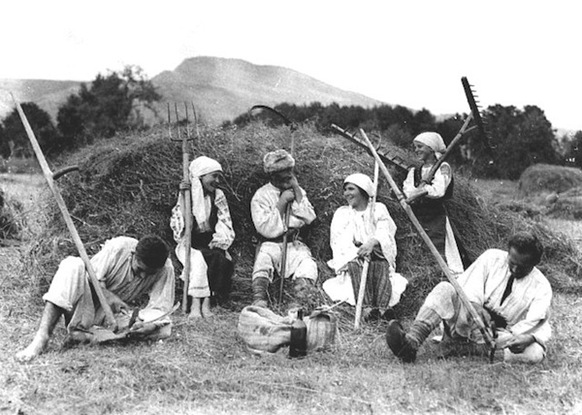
(378, 286)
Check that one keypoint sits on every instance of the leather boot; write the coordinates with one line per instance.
(260, 295)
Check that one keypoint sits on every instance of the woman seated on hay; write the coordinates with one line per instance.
(430, 209)
(212, 234)
(354, 236)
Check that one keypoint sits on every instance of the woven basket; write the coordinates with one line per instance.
(321, 330)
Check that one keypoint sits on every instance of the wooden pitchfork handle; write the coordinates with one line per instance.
(48, 175)
(441, 262)
(185, 189)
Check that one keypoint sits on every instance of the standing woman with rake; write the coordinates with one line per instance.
(355, 236)
(430, 209)
(211, 266)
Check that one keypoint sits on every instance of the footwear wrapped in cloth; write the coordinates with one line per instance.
(399, 343)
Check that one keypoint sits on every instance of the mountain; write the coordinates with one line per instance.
(48, 95)
(220, 89)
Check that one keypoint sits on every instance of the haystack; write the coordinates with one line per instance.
(544, 179)
(10, 218)
(128, 185)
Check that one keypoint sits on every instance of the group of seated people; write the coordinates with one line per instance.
(503, 286)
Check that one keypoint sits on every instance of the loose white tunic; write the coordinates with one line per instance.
(269, 224)
(70, 288)
(484, 283)
(348, 226)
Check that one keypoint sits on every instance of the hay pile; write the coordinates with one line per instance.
(543, 179)
(10, 218)
(556, 191)
(129, 185)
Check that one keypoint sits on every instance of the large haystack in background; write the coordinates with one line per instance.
(128, 185)
(555, 190)
(10, 218)
(543, 179)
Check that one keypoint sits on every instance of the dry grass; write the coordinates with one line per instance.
(205, 368)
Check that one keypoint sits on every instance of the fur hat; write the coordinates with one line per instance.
(277, 160)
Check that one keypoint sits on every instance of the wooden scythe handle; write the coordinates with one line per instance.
(442, 264)
(48, 175)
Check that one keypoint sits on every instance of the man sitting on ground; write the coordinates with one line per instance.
(126, 269)
(268, 207)
(504, 287)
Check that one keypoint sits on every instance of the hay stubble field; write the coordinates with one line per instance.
(205, 368)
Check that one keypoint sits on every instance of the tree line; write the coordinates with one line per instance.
(517, 137)
(114, 102)
(111, 103)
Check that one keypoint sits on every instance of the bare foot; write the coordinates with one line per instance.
(195, 308)
(206, 308)
(195, 314)
(34, 349)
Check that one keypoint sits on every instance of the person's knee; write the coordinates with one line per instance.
(444, 288)
(533, 354)
(307, 269)
(70, 268)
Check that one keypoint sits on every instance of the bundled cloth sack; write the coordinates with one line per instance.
(262, 330)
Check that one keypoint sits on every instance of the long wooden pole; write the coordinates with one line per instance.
(185, 188)
(286, 220)
(365, 268)
(443, 265)
(48, 175)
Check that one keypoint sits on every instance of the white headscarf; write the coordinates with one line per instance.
(434, 141)
(362, 181)
(200, 205)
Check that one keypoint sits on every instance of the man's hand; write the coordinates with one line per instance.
(114, 301)
(519, 343)
(287, 196)
(484, 314)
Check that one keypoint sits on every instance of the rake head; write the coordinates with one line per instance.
(475, 111)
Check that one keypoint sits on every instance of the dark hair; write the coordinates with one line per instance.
(362, 191)
(152, 251)
(528, 244)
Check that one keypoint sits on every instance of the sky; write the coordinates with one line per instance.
(410, 53)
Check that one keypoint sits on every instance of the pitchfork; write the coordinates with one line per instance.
(185, 187)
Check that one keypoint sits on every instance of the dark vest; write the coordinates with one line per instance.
(427, 206)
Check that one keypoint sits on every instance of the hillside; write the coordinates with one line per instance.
(220, 88)
(47, 94)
